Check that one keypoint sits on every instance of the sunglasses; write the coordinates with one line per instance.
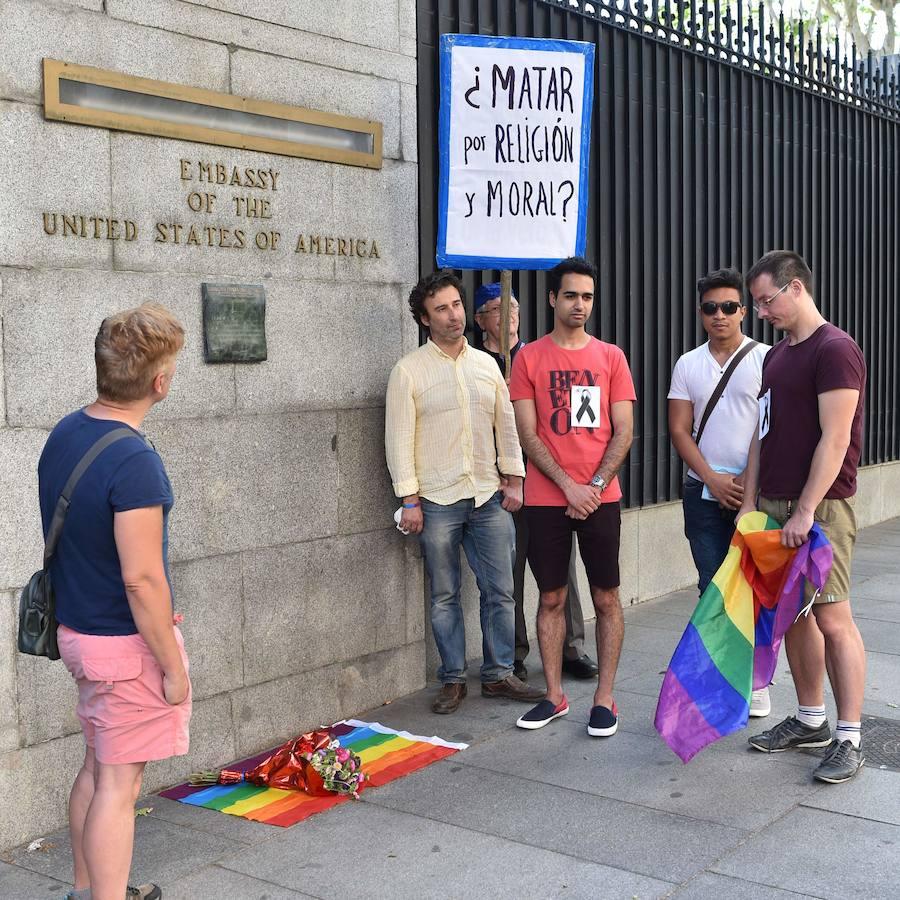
(729, 307)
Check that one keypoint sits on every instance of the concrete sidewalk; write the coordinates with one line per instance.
(554, 813)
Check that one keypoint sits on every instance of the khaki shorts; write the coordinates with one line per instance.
(838, 520)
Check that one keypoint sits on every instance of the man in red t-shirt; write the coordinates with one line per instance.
(803, 462)
(573, 397)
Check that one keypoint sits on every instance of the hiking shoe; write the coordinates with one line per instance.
(841, 762)
(791, 734)
(143, 892)
(760, 705)
(544, 713)
(604, 722)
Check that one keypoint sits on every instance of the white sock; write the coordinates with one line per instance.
(813, 716)
(847, 731)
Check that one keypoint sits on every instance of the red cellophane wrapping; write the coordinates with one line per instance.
(286, 768)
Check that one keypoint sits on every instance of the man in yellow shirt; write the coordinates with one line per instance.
(455, 459)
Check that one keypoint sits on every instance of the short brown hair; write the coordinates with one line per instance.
(428, 286)
(129, 347)
(782, 266)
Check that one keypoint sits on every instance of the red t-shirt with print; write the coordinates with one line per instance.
(553, 376)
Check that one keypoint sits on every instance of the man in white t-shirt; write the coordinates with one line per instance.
(713, 486)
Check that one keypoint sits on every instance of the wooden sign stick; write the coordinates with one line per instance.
(505, 295)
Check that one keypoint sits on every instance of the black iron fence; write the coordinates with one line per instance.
(716, 136)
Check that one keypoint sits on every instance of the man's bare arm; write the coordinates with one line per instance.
(621, 415)
(836, 411)
(139, 541)
(751, 477)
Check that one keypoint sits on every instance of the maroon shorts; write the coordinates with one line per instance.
(550, 545)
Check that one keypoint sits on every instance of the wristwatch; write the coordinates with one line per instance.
(599, 482)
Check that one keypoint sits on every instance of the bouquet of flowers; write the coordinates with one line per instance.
(339, 769)
(314, 762)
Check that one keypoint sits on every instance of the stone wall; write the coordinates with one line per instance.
(302, 603)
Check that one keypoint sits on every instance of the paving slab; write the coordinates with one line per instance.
(880, 637)
(717, 887)
(519, 807)
(476, 720)
(395, 854)
(874, 794)
(865, 607)
(656, 615)
(742, 789)
(876, 586)
(209, 821)
(214, 881)
(21, 884)
(883, 678)
(822, 854)
(163, 853)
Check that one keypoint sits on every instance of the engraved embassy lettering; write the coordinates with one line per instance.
(233, 176)
(228, 218)
(95, 227)
(337, 246)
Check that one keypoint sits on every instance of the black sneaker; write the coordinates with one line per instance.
(791, 734)
(841, 762)
(143, 892)
(604, 722)
(544, 713)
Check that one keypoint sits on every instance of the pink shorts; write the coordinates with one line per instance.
(121, 704)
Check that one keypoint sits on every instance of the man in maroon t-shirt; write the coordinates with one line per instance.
(803, 463)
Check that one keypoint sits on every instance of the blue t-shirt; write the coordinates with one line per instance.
(85, 570)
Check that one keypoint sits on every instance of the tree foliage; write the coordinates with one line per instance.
(870, 24)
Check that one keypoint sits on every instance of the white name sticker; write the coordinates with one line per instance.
(765, 413)
(585, 406)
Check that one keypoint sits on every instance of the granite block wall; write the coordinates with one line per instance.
(302, 603)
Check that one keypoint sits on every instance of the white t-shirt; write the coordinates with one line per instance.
(726, 438)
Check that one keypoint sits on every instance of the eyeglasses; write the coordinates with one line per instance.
(513, 308)
(729, 307)
(763, 303)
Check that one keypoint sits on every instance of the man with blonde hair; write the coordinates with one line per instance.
(117, 634)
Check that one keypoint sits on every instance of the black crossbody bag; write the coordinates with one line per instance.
(37, 613)
(720, 388)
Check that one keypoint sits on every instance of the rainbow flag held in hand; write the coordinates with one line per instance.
(730, 646)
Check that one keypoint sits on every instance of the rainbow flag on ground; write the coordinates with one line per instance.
(730, 646)
(386, 754)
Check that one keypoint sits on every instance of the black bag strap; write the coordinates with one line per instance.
(720, 387)
(62, 505)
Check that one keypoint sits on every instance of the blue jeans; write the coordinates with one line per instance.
(708, 528)
(488, 536)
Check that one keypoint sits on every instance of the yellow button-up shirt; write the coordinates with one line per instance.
(450, 430)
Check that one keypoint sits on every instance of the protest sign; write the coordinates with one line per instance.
(514, 147)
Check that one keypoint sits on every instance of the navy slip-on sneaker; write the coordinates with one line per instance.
(604, 722)
(544, 713)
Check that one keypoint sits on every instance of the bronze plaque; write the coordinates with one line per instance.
(234, 323)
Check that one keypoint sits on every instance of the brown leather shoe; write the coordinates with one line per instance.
(512, 689)
(449, 697)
